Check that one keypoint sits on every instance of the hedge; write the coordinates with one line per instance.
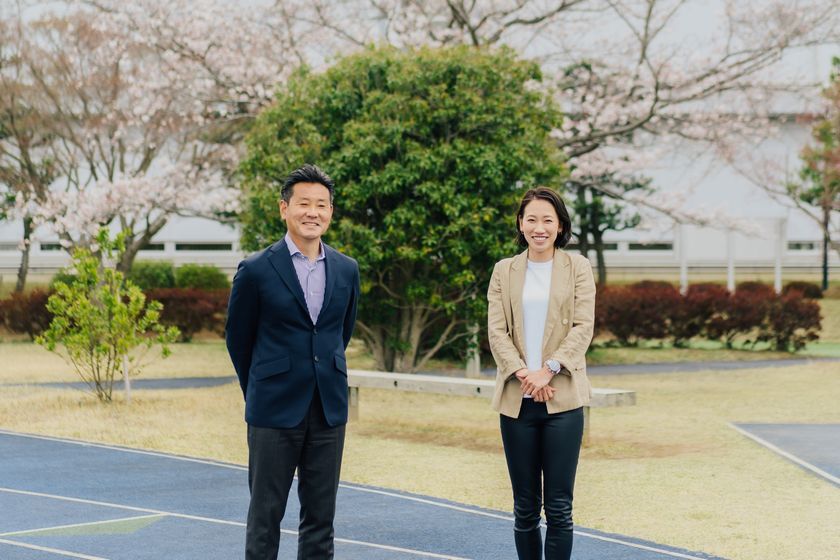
(201, 277)
(656, 311)
(192, 310)
(26, 312)
(152, 275)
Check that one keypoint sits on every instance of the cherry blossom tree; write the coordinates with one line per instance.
(138, 110)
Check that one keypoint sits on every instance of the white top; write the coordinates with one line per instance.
(535, 296)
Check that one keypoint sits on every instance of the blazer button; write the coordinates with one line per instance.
(316, 359)
(314, 331)
(565, 321)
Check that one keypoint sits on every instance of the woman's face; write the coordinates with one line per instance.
(540, 225)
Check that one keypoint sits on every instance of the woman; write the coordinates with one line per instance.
(541, 307)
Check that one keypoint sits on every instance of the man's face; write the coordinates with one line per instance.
(308, 212)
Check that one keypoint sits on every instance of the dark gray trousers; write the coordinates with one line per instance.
(314, 448)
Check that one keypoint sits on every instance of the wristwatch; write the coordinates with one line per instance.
(554, 366)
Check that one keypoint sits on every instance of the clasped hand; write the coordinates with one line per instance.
(535, 383)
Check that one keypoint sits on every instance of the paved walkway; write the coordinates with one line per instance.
(814, 447)
(68, 499)
(621, 369)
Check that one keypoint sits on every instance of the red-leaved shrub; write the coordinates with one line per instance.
(636, 313)
(26, 312)
(742, 313)
(192, 310)
(807, 289)
(791, 322)
(692, 313)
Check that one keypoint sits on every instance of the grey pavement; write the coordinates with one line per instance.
(814, 447)
(595, 370)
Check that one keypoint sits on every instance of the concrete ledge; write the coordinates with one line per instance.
(464, 387)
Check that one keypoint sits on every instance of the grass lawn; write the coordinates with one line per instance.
(669, 469)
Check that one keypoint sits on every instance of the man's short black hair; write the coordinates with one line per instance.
(307, 174)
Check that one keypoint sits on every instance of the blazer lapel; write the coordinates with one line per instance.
(517, 282)
(281, 260)
(560, 282)
(331, 263)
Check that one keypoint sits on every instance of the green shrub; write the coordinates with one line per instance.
(64, 276)
(102, 322)
(201, 277)
(152, 275)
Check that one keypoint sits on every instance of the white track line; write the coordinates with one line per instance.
(804, 464)
(74, 525)
(343, 485)
(639, 546)
(66, 553)
(207, 519)
(508, 518)
(127, 450)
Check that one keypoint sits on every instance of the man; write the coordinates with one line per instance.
(291, 313)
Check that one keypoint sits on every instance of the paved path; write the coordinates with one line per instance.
(620, 369)
(814, 447)
(67, 499)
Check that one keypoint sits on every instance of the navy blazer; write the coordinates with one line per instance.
(280, 357)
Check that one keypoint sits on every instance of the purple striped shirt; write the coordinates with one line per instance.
(312, 277)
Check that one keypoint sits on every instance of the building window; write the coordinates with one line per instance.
(51, 247)
(154, 247)
(651, 246)
(204, 247)
(9, 247)
(801, 246)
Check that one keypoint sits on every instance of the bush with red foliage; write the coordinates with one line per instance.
(807, 289)
(26, 312)
(756, 288)
(742, 313)
(192, 310)
(636, 312)
(692, 313)
(791, 322)
(652, 310)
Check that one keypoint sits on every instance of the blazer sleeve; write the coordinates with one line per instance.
(242, 321)
(507, 357)
(572, 351)
(350, 315)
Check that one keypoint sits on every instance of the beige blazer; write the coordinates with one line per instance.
(568, 330)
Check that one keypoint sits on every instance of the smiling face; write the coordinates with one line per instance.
(540, 226)
(308, 212)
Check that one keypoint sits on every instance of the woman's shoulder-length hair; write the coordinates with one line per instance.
(550, 196)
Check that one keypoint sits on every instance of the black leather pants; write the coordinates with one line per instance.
(542, 447)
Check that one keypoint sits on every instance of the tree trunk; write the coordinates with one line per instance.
(826, 245)
(583, 237)
(599, 253)
(134, 245)
(23, 269)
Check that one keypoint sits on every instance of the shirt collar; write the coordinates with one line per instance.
(293, 249)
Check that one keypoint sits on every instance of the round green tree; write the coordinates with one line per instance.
(430, 150)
